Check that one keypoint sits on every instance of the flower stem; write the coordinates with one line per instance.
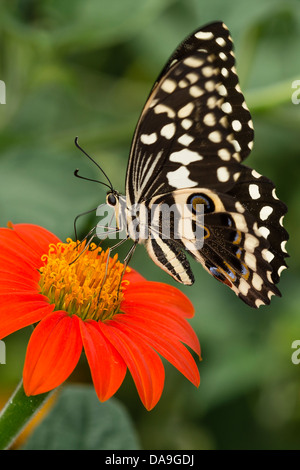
(17, 413)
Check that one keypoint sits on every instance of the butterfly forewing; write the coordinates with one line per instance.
(195, 127)
(190, 140)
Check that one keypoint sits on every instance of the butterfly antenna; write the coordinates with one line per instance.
(110, 186)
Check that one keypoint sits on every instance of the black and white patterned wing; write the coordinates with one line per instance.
(189, 144)
(195, 128)
(239, 239)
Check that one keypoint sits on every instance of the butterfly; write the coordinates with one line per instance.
(193, 134)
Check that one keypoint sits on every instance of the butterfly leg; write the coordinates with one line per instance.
(126, 262)
(86, 246)
(77, 217)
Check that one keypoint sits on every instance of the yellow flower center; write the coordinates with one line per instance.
(82, 281)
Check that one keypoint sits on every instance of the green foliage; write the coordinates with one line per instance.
(78, 421)
(84, 68)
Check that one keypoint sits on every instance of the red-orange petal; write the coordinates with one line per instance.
(143, 362)
(107, 367)
(133, 276)
(159, 296)
(36, 237)
(17, 312)
(162, 320)
(15, 252)
(53, 352)
(16, 282)
(166, 343)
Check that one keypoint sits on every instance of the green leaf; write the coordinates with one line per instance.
(38, 186)
(79, 421)
(77, 25)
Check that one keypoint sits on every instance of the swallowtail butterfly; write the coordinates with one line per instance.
(191, 138)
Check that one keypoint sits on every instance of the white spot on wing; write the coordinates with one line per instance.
(265, 212)
(210, 86)
(239, 207)
(185, 139)
(267, 255)
(168, 85)
(282, 245)
(264, 231)
(168, 130)
(236, 145)
(209, 119)
(244, 287)
(149, 139)
(215, 136)
(221, 41)
(223, 174)
(224, 154)
(195, 91)
(254, 191)
(207, 71)
(250, 260)
(186, 110)
(281, 269)
(255, 174)
(257, 281)
(226, 107)
(193, 62)
(204, 35)
(236, 125)
(224, 72)
(251, 242)
(180, 178)
(192, 77)
(161, 108)
(222, 90)
(185, 157)
(183, 84)
(186, 123)
(222, 56)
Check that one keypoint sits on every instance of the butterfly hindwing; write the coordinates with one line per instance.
(234, 247)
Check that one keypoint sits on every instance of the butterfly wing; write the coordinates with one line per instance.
(193, 134)
(195, 127)
(239, 243)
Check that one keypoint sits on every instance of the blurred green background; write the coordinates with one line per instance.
(84, 68)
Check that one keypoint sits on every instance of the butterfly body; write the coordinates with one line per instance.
(187, 152)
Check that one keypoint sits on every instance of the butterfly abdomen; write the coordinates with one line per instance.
(169, 256)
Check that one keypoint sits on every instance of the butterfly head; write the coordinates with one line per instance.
(118, 202)
(112, 198)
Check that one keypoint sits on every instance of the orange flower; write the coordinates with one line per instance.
(78, 303)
